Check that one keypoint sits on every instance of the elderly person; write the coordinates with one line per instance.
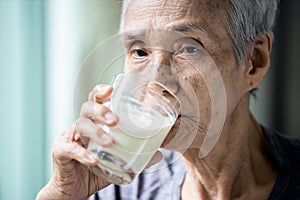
(248, 160)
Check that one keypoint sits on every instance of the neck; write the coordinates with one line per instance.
(238, 167)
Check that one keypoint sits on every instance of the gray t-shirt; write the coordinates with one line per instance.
(164, 180)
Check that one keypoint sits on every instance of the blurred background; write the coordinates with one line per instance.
(42, 46)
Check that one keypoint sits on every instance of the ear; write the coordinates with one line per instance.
(258, 61)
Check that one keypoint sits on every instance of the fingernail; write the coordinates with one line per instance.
(109, 117)
(105, 139)
(91, 158)
(102, 89)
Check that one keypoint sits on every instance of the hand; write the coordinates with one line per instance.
(71, 178)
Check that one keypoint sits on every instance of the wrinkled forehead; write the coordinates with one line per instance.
(162, 13)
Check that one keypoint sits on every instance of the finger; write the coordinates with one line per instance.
(64, 152)
(86, 128)
(158, 156)
(71, 135)
(98, 113)
(100, 93)
(68, 135)
(83, 141)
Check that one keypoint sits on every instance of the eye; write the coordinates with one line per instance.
(189, 50)
(187, 46)
(139, 53)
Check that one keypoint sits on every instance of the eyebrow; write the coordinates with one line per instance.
(133, 35)
(189, 27)
(185, 28)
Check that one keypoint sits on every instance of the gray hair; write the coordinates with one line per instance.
(246, 20)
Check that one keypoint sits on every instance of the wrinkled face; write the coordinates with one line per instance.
(184, 45)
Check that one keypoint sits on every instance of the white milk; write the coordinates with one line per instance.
(137, 136)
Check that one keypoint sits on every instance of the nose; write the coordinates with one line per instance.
(161, 57)
(162, 70)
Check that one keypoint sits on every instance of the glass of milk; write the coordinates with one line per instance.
(146, 110)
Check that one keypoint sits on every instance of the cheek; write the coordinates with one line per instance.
(128, 65)
(195, 95)
(200, 84)
(231, 73)
(233, 82)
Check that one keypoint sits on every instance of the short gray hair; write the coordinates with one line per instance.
(246, 20)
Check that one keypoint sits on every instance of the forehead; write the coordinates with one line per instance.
(164, 14)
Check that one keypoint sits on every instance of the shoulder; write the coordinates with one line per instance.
(285, 150)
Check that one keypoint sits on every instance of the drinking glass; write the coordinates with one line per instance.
(146, 110)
